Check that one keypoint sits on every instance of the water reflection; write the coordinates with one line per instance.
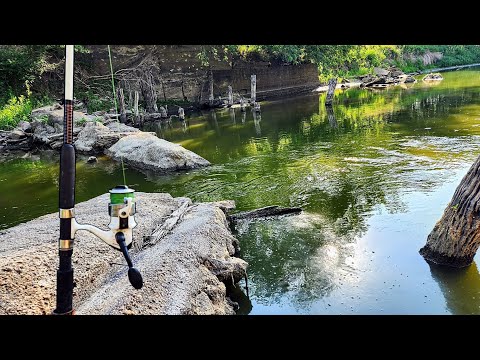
(460, 287)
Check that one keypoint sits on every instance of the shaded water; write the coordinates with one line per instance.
(373, 176)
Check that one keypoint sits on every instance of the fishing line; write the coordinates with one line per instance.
(116, 110)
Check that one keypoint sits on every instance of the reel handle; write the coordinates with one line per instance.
(134, 275)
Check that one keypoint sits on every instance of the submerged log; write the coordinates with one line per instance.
(455, 238)
(267, 211)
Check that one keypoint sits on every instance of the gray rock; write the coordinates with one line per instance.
(145, 151)
(15, 140)
(380, 72)
(178, 270)
(16, 134)
(25, 126)
(92, 159)
(42, 131)
(95, 137)
(410, 79)
(121, 128)
(153, 117)
(163, 112)
(54, 115)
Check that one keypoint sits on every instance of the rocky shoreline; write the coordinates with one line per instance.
(185, 251)
(99, 133)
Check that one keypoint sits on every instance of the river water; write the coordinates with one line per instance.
(373, 176)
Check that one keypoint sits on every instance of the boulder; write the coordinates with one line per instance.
(396, 73)
(16, 134)
(145, 151)
(380, 72)
(153, 117)
(96, 137)
(183, 268)
(54, 115)
(25, 126)
(15, 140)
(409, 79)
(121, 128)
(41, 131)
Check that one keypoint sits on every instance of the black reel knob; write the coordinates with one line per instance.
(135, 278)
(134, 275)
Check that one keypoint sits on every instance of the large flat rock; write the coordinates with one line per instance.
(182, 269)
(145, 151)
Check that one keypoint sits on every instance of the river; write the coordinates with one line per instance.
(373, 176)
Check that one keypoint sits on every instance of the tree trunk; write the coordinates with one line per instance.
(455, 239)
(135, 108)
(147, 86)
(332, 83)
(121, 106)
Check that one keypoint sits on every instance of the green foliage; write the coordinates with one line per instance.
(22, 65)
(95, 102)
(452, 54)
(43, 118)
(174, 102)
(16, 110)
(81, 121)
(348, 60)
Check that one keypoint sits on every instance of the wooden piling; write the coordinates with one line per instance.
(253, 88)
(230, 96)
(332, 83)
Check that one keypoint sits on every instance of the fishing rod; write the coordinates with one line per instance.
(122, 209)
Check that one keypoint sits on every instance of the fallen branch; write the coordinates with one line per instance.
(166, 226)
(267, 211)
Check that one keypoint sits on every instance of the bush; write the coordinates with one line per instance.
(16, 110)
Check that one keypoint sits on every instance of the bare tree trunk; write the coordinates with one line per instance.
(130, 100)
(455, 239)
(121, 106)
(253, 88)
(332, 83)
(147, 87)
(135, 108)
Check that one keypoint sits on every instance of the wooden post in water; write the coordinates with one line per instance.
(253, 88)
(230, 96)
(210, 96)
(332, 83)
(181, 113)
(121, 105)
(331, 117)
